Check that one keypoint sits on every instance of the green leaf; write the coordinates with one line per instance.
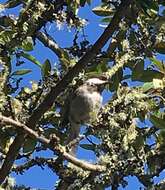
(137, 70)
(21, 72)
(31, 58)
(82, 3)
(6, 21)
(147, 86)
(88, 146)
(157, 122)
(103, 11)
(29, 145)
(27, 44)
(106, 19)
(149, 75)
(46, 68)
(102, 67)
(139, 142)
(116, 79)
(93, 74)
(98, 69)
(139, 74)
(160, 65)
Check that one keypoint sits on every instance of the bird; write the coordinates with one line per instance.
(84, 107)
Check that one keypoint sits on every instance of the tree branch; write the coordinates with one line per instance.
(60, 86)
(60, 150)
(11, 4)
(75, 141)
(33, 162)
(50, 43)
(82, 63)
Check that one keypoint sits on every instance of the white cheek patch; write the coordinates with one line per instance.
(95, 81)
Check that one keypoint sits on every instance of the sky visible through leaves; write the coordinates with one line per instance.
(44, 178)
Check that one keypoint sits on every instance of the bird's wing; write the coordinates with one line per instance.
(74, 129)
(65, 110)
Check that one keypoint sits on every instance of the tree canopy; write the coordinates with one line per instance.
(128, 137)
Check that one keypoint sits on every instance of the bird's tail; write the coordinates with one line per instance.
(74, 132)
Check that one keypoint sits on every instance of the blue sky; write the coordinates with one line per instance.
(36, 177)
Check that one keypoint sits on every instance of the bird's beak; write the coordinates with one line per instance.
(101, 85)
(106, 82)
(97, 81)
(103, 82)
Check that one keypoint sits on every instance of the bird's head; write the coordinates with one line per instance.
(96, 83)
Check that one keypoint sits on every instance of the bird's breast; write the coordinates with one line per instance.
(85, 106)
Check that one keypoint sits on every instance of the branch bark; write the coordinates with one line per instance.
(59, 87)
(58, 149)
(50, 43)
(11, 4)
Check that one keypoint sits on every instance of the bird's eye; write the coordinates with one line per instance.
(91, 84)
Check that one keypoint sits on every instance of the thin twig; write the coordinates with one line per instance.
(75, 141)
(33, 162)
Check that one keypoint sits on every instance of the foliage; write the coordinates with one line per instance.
(133, 116)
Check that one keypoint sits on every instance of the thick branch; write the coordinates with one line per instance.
(56, 90)
(57, 148)
(11, 156)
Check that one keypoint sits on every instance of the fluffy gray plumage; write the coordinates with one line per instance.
(84, 107)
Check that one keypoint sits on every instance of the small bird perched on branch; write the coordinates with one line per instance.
(84, 107)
